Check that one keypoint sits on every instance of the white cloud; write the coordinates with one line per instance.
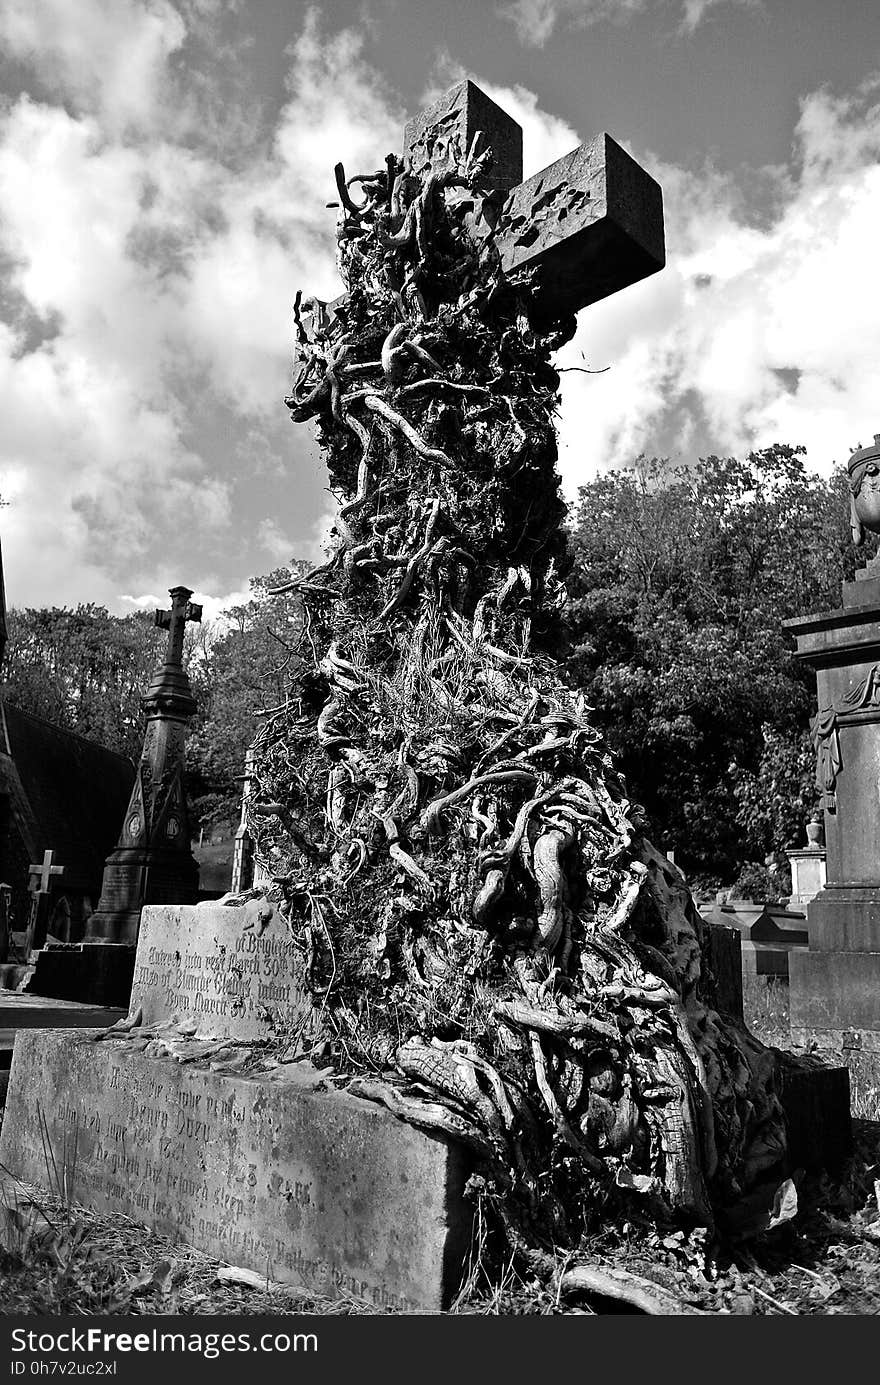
(102, 55)
(695, 10)
(535, 20)
(145, 326)
(274, 541)
(148, 291)
(753, 333)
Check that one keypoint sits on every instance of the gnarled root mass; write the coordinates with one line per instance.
(494, 949)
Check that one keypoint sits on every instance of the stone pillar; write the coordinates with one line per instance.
(835, 984)
(243, 855)
(153, 862)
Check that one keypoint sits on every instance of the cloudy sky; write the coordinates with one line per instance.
(164, 166)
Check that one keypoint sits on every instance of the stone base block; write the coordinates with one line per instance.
(765, 961)
(844, 919)
(816, 1101)
(93, 973)
(309, 1187)
(834, 990)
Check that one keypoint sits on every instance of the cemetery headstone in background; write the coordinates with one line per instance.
(835, 986)
(153, 860)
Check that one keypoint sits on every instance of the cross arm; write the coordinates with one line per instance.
(588, 225)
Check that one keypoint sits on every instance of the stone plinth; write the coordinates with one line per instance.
(835, 987)
(807, 874)
(308, 1187)
(92, 974)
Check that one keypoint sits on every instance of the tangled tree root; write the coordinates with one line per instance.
(495, 950)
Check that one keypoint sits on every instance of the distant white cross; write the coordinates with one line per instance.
(45, 871)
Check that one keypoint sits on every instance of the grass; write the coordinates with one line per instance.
(765, 1009)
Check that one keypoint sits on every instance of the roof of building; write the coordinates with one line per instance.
(68, 794)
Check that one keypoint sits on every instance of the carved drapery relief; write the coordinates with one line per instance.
(824, 730)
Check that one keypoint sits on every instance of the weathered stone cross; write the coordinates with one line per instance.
(45, 871)
(174, 621)
(587, 225)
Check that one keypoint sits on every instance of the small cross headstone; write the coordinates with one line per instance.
(45, 870)
(41, 874)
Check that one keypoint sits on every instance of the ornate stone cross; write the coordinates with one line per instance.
(174, 621)
(587, 225)
(45, 871)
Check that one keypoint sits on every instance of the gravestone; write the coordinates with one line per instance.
(181, 1123)
(41, 900)
(585, 227)
(234, 971)
(152, 861)
(243, 852)
(835, 985)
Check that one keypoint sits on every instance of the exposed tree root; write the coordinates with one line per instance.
(639, 1293)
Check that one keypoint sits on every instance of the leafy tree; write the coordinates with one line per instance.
(680, 581)
(83, 669)
(239, 668)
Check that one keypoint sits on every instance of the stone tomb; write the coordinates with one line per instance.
(769, 933)
(262, 1167)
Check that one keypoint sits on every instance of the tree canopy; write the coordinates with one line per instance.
(83, 669)
(680, 581)
(239, 668)
(86, 670)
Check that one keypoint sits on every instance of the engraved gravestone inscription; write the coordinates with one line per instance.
(234, 970)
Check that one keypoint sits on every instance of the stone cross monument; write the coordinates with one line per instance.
(153, 863)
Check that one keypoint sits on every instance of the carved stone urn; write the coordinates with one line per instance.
(816, 830)
(864, 484)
